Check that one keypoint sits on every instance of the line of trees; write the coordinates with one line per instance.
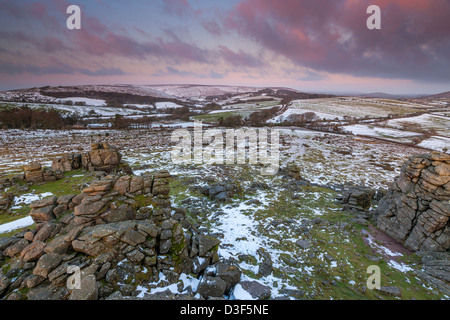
(26, 118)
(258, 119)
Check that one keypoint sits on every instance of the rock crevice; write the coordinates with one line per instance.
(416, 209)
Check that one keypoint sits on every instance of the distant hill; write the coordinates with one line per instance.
(383, 95)
(150, 94)
(442, 95)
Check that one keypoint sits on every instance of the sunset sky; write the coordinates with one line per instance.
(310, 45)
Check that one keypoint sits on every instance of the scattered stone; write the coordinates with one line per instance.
(48, 292)
(88, 289)
(47, 263)
(392, 291)
(266, 266)
(358, 198)
(33, 252)
(212, 287)
(228, 273)
(257, 290)
(16, 248)
(206, 243)
(304, 244)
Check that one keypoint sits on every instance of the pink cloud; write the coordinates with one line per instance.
(239, 59)
(332, 35)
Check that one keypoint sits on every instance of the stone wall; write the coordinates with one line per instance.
(416, 210)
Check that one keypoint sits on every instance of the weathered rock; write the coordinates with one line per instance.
(123, 213)
(6, 242)
(133, 238)
(16, 248)
(392, 291)
(266, 266)
(34, 166)
(5, 201)
(67, 162)
(89, 246)
(48, 292)
(165, 245)
(88, 289)
(46, 264)
(58, 245)
(212, 287)
(304, 244)
(359, 198)
(4, 282)
(199, 264)
(416, 210)
(43, 202)
(97, 229)
(43, 214)
(206, 243)
(255, 289)
(122, 185)
(45, 231)
(228, 273)
(101, 158)
(35, 173)
(33, 252)
(32, 281)
(89, 209)
(136, 184)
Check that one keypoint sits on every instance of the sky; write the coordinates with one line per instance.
(309, 45)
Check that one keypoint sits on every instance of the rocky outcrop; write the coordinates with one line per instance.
(121, 232)
(102, 157)
(5, 201)
(35, 173)
(219, 191)
(67, 162)
(416, 210)
(436, 269)
(358, 198)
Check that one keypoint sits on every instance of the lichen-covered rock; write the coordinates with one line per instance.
(99, 232)
(33, 251)
(35, 173)
(358, 198)
(67, 162)
(212, 287)
(102, 157)
(253, 288)
(5, 201)
(416, 210)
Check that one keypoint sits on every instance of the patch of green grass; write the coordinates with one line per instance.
(214, 117)
(72, 183)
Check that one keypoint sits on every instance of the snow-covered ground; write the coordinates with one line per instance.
(436, 143)
(17, 224)
(244, 226)
(85, 110)
(436, 122)
(378, 132)
(356, 107)
(167, 105)
(200, 91)
(20, 201)
(290, 111)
